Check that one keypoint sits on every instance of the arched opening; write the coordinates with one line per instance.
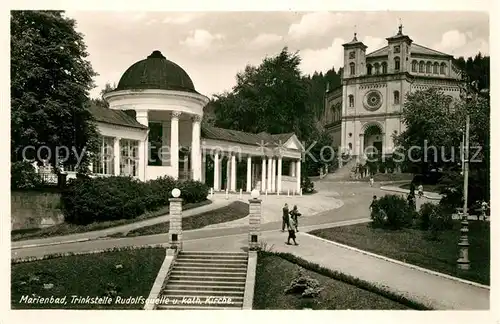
(377, 68)
(369, 69)
(428, 67)
(414, 65)
(351, 101)
(396, 97)
(352, 68)
(435, 68)
(443, 68)
(384, 67)
(397, 64)
(421, 67)
(373, 140)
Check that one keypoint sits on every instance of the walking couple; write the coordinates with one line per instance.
(290, 221)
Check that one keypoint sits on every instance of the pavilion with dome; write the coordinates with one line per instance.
(153, 128)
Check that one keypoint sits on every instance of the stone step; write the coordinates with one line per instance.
(242, 265)
(208, 273)
(211, 269)
(208, 253)
(221, 282)
(199, 307)
(206, 261)
(202, 287)
(202, 293)
(231, 278)
(180, 297)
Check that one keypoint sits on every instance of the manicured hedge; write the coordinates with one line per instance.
(88, 200)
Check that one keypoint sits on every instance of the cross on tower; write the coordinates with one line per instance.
(400, 32)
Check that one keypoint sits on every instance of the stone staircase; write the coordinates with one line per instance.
(206, 280)
(343, 173)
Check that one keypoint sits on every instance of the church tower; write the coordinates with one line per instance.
(399, 51)
(354, 59)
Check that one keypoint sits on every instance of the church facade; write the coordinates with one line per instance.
(364, 113)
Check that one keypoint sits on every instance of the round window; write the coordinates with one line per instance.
(373, 100)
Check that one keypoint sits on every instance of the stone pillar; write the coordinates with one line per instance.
(292, 169)
(196, 148)
(273, 178)
(116, 156)
(263, 175)
(233, 172)
(269, 174)
(143, 151)
(216, 172)
(254, 223)
(220, 173)
(228, 174)
(203, 167)
(249, 173)
(298, 176)
(174, 143)
(175, 230)
(280, 165)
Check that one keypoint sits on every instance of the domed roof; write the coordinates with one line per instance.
(156, 72)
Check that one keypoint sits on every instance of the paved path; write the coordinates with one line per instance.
(427, 194)
(437, 292)
(216, 203)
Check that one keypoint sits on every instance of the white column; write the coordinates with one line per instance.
(228, 173)
(273, 179)
(203, 168)
(249, 173)
(216, 172)
(196, 148)
(219, 182)
(292, 169)
(298, 176)
(143, 151)
(174, 143)
(269, 174)
(116, 156)
(263, 175)
(278, 189)
(164, 142)
(233, 172)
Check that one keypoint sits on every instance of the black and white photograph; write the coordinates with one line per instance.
(249, 160)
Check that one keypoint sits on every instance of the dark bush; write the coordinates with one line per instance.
(396, 210)
(307, 185)
(424, 215)
(24, 176)
(88, 200)
(440, 219)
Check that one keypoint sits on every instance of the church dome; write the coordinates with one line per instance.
(156, 72)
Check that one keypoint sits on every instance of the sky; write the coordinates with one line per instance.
(212, 47)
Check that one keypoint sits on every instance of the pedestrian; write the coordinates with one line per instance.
(420, 191)
(292, 227)
(373, 205)
(285, 217)
(294, 213)
(371, 181)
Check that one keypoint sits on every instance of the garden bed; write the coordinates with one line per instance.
(235, 210)
(67, 228)
(416, 247)
(127, 273)
(275, 272)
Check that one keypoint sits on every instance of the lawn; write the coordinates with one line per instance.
(130, 273)
(416, 247)
(235, 210)
(274, 275)
(66, 228)
(429, 188)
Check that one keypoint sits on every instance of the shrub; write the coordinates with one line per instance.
(88, 200)
(424, 215)
(397, 212)
(307, 185)
(440, 219)
(24, 176)
(304, 285)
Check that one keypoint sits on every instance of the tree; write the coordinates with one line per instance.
(100, 101)
(271, 97)
(50, 83)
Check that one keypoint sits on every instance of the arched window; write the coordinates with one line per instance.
(352, 68)
(396, 97)
(421, 67)
(436, 68)
(369, 69)
(351, 101)
(443, 68)
(377, 68)
(396, 64)
(384, 67)
(350, 146)
(428, 67)
(414, 64)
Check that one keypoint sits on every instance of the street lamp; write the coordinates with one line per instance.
(463, 261)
